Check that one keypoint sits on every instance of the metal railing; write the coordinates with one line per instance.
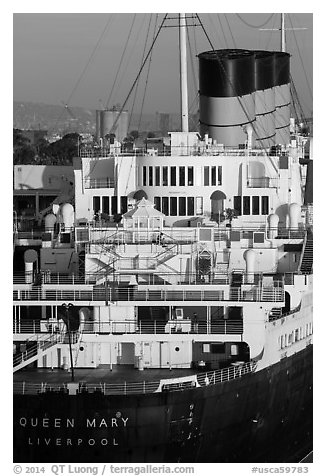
(200, 149)
(263, 182)
(257, 294)
(129, 388)
(146, 276)
(223, 326)
(103, 182)
(33, 350)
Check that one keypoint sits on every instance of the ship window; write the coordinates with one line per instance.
(246, 205)
(182, 206)
(234, 349)
(213, 175)
(157, 176)
(173, 206)
(123, 204)
(106, 205)
(281, 339)
(206, 175)
(114, 205)
(144, 176)
(199, 205)
(219, 177)
(173, 176)
(165, 176)
(206, 348)
(265, 205)
(190, 176)
(190, 205)
(157, 203)
(96, 204)
(182, 176)
(165, 205)
(255, 205)
(150, 176)
(218, 348)
(237, 204)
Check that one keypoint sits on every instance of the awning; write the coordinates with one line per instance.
(140, 194)
(218, 195)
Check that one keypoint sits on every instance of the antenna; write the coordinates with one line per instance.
(283, 30)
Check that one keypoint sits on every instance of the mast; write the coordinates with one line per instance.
(183, 72)
(283, 44)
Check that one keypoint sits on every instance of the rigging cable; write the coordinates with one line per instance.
(121, 59)
(148, 69)
(304, 70)
(85, 68)
(228, 24)
(296, 100)
(221, 27)
(254, 26)
(139, 73)
(136, 89)
(194, 78)
(233, 88)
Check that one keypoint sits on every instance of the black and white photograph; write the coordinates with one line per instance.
(163, 238)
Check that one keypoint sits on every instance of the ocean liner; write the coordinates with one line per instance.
(183, 333)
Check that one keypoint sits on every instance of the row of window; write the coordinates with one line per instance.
(255, 205)
(110, 205)
(182, 206)
(179, 176)
(219, 348)
(179, 206)
(300, 333)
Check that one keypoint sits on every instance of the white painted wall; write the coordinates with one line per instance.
(52, 177)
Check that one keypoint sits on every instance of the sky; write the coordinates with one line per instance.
(73, 58)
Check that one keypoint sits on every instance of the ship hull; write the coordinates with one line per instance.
(265, 416)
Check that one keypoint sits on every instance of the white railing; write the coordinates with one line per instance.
(33, 349)
(257, 294)
(223, 326)
(129, 388)
(263, 182)
(106, 182)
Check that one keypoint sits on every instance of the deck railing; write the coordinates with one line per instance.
(223, 326)
(255, 294)
(106, 182)
(130, 388)
(146, 276)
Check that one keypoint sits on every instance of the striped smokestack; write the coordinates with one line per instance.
(264, 98)
(282, 97)
(226, 84)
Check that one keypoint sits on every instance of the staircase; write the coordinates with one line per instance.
(307, 257)
(275, 313)
(38, 348)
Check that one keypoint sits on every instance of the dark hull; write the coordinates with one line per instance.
(261, 417)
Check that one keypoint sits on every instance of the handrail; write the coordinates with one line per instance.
(148, 275)
(106, 182)
(185, 326)
(255, 294)
(144, 387)
(41, 345)
(303, 250)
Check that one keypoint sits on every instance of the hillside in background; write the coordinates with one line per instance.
(60, 120)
